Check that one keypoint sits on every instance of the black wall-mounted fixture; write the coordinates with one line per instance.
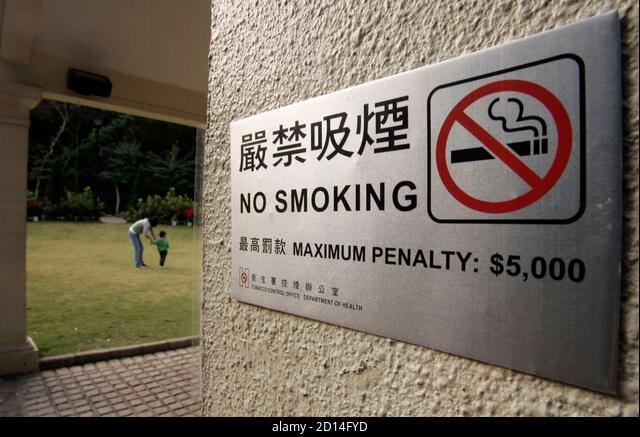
(88, 84)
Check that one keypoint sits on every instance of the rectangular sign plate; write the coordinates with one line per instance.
(473, 206)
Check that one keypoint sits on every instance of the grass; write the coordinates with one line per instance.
(84, 293)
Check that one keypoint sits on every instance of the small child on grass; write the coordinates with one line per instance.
(163, 246)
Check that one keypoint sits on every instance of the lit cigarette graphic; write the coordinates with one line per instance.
(537, 146)
(521, 148)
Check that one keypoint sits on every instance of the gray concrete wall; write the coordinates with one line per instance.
(265, 55)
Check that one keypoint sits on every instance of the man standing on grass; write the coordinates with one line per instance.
(145, 227)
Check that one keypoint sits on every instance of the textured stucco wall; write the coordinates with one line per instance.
(265, 55)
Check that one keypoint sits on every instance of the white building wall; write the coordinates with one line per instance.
(266, 55)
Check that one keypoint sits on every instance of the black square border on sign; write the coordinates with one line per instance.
(583, 148)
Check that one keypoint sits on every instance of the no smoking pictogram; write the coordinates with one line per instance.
(244, 277)
(539, 186)
(562, 148)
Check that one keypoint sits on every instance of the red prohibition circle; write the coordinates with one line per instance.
(539, 186)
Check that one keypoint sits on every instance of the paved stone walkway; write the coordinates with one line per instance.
(159, 384)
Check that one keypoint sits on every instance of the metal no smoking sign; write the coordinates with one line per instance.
(511, 145)
(453, 207)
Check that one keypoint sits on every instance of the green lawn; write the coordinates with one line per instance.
(84, 293)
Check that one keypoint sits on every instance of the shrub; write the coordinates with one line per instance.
(35, 207)
(52, 211)
(179, 205)
(171, 206)
(81, 206)
(152, 206)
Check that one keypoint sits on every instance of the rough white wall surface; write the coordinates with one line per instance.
(265, 55)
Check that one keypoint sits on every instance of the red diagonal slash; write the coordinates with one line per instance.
(499, 150)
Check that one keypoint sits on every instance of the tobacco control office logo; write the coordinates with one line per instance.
(243, 277)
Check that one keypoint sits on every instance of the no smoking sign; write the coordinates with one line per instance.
(517, 263)
(509, 146)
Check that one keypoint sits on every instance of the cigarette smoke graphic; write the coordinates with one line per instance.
(520, 118)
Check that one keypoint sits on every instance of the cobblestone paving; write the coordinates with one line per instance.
(158, 384)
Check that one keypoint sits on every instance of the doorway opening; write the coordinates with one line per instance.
(92, 173)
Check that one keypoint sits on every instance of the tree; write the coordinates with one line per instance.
(121, 166)
(84, 146)
(55, 181)
(42, 162)
(172, 170)
(60, 129)
(137, 186)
